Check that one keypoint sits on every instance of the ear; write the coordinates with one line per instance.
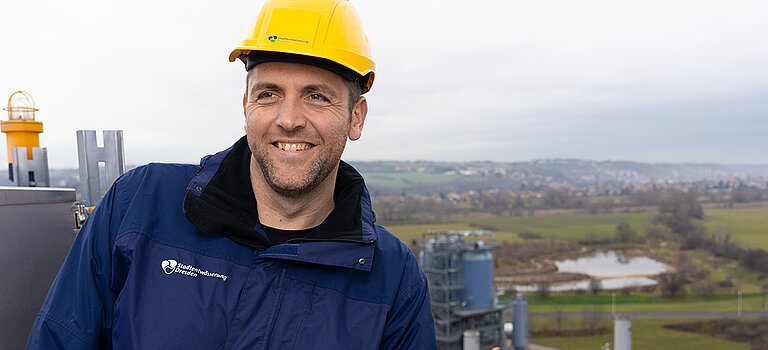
(358, 119)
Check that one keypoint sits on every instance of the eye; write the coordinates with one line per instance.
(266, 94)
(318, 97)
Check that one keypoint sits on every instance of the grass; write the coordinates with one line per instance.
(647, 333)
(567, 227)
(407, 233)
(749, 226)
(641, 302)
(564, 227)
(728, 270)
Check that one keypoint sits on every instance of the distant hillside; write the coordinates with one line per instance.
(575, 170)
(424, 177)
(438, 177)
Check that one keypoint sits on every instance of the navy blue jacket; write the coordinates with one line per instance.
(164, 262)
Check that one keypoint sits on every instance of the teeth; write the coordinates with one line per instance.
(293, 147)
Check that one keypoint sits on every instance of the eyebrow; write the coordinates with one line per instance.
(264, 85)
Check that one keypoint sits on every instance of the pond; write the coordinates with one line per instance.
(613, 268)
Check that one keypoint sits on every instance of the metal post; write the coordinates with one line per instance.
(30, 172)
(90, 155)
(613, 304)
(471, 340)
(739, 312)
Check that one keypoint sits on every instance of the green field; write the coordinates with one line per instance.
(407, 233)
(647, 334)
(641, 302)
(566, 227)
(749, 226)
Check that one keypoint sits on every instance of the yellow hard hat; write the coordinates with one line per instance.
(324, 29)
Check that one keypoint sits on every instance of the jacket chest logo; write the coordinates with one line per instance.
(171, 266)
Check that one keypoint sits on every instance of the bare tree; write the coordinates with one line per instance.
(672, 284)
(543, 289)
(595, 286)
(625, 233)
(560, 320)
(592, 317)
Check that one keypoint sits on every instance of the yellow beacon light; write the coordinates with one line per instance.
(21, 128)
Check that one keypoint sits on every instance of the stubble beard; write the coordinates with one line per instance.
(318, 171)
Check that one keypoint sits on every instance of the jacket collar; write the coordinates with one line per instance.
(220, 200)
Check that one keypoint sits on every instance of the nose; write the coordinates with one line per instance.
(291, 116)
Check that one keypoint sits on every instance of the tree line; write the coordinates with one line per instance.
(677, 214)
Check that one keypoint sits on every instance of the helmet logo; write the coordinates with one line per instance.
(282, 39)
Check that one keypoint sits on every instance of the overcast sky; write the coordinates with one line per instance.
(650, 81)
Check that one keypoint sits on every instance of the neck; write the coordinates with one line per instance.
(295, 212)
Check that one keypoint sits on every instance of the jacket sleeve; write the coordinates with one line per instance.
(410, 324)
(77, 311)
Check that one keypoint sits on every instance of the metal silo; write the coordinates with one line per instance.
(477, 277)
(459, 269)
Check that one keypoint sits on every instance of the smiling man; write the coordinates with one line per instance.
(270, 244)
(298, 118)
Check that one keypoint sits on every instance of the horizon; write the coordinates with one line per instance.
(134, 165)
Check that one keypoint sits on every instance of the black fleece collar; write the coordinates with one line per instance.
(220, 200)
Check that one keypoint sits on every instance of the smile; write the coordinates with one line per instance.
(293, 147)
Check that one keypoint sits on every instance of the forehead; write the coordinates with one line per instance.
(293, 74)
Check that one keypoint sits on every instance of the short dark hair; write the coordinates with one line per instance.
(354, 91)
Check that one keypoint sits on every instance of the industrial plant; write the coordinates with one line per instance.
(467, 313)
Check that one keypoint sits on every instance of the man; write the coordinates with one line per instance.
(270, 244)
